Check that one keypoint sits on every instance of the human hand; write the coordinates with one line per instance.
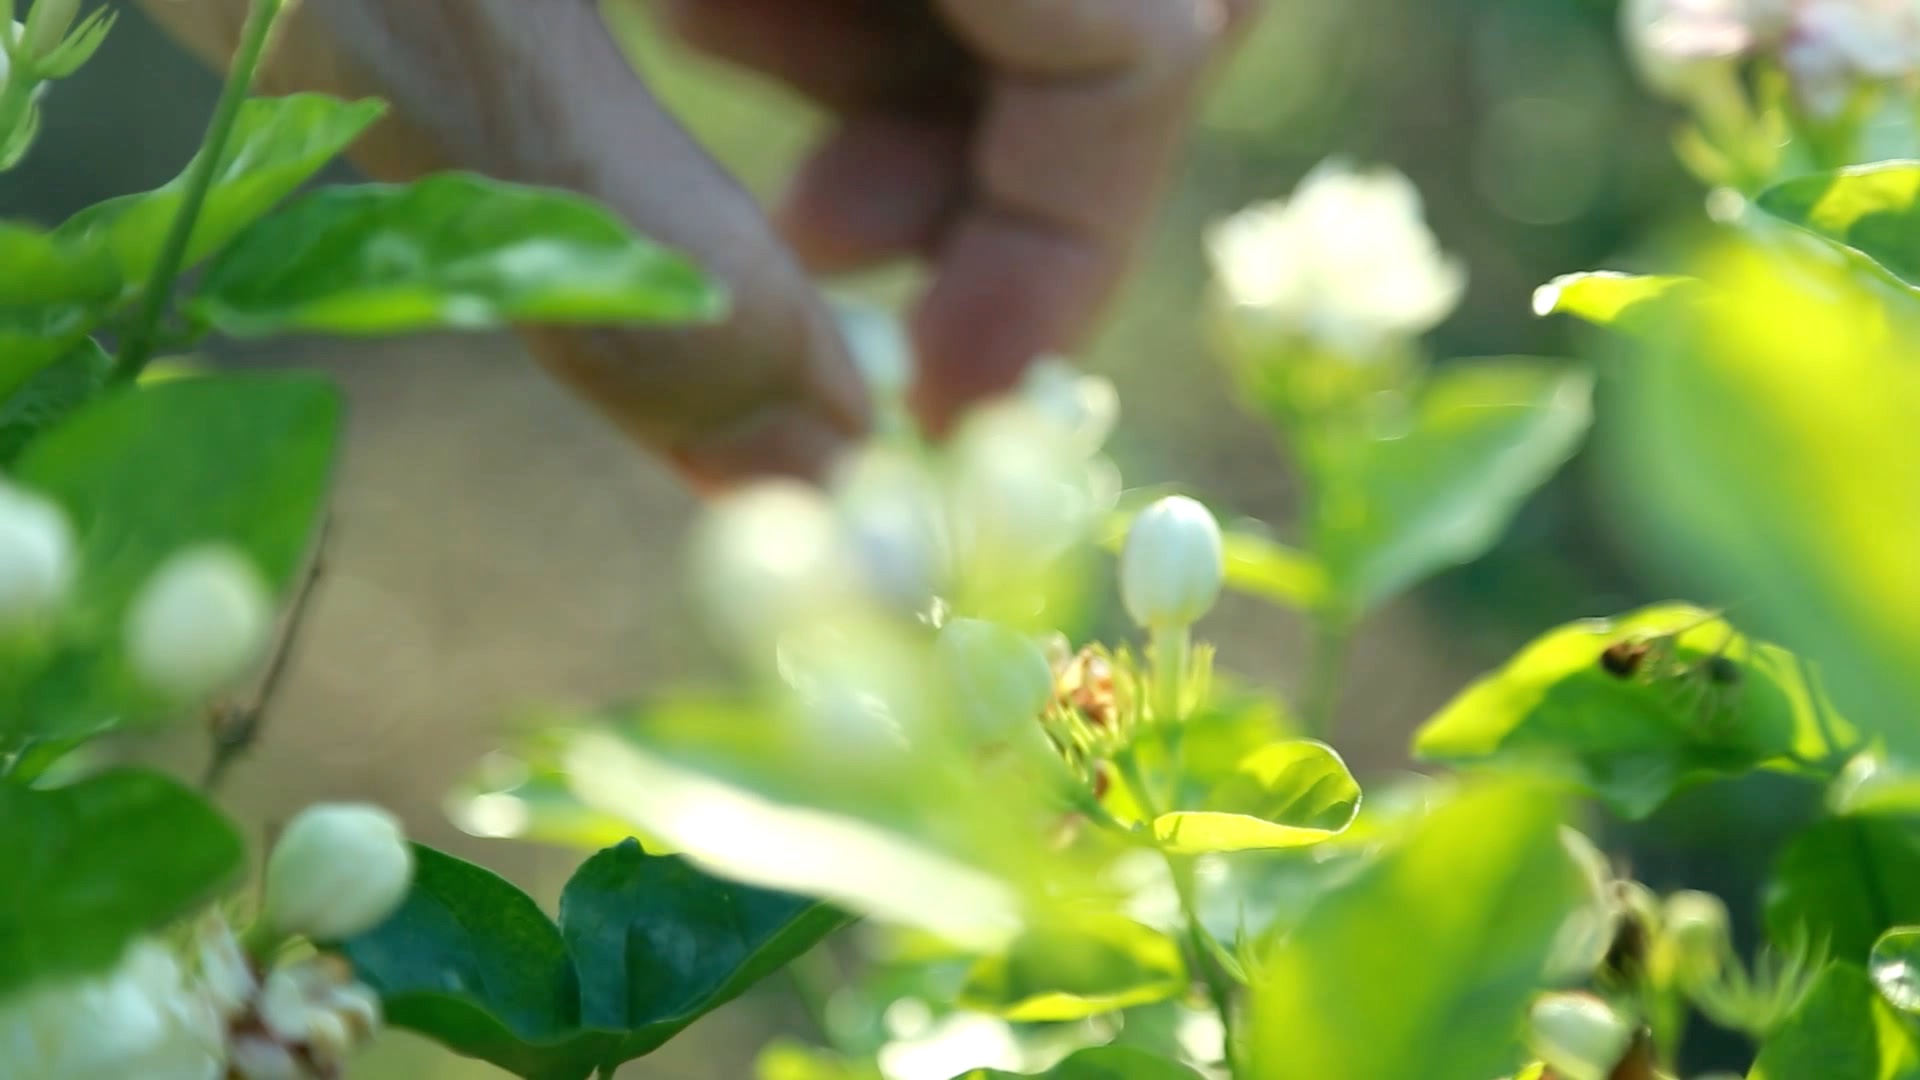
(1017, 145)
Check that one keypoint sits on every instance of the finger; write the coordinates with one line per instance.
(1078, 137)
(879, 188)
(540, 94)
(848, 55)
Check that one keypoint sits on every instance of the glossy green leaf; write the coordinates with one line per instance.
(91, 866)
(49, 395)
(1872, 211)
(1875, 786)
(277, 144)
(644, 946)
(1845, 882)
(1088, 966)
(1895, 967)
(1272, 571)
(1424, 964)
(1767, 447)
(1483, 436)
(453, 250)
(1288, 794)
(1843, 1031)
(143, 473)
(1635, 708)
(1099, 1063)
(52, 294)
(1606, 297)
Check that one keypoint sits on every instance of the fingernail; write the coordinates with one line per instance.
(777, 441)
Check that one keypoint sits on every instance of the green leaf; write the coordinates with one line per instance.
(1871, 785)
(450, 251)
(1424, 964)
(644, 946)
(52, 294)
(788, 1059)
(49, 395)
(1871, 211)
(277, 144)
(1288, 794)
(1843, 883)
(1608, 298)
(144, 473)
(91, 866)
(1258, 566)
(1843, 1031)
(1483, 436)
(1636, 708)
(1091, 965)
(1767, 448)
(1099, 1063)
(1895, 966)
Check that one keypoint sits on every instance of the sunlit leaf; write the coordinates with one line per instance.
(1483, 436)
(49, 395)
(644, 946)
(1843, 1031)
(1895, 967)
(277, 144)
(1092, 965)
(1288, 794)
(1872, 211)
(453, 250)
(1769, 445)
(1638, 707)
(1424, 964)
(1843, 883)
(787, 1059)
(1872, 785)
(144, 473)
(1606, 297)
(1258, 566)
(91, 866)
(1099, 1063)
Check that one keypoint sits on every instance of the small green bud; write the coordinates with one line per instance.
(1696, 924)
(47, 24)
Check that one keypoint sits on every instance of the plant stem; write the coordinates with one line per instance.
(1172, 652)
(1320, 700)
(137, 349)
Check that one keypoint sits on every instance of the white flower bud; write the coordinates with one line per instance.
(1000, 678)
(1579, 1036)
(338, 870)
(770, 558)
(141, 1019)
(1696, 924)
(1172, 567)
(199, 622)
(36, 556)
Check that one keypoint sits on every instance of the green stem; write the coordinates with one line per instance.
(137, 349)
(1172, 653)
(16, 104)
(1320, 700)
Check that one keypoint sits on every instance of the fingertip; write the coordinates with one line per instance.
(878, 188)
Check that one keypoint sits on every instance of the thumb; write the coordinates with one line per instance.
(541, 94)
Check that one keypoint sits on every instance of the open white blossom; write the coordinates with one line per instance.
(1347, 264)
(141, 1019)
(37, 561)
(1830, 48)
(1680, 47)
(199, 622)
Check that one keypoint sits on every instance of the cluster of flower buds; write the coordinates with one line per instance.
(195, 626)
(48, 45)
(235, 1013)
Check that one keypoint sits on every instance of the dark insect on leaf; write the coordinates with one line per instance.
(1722, 670)
(1623, 658)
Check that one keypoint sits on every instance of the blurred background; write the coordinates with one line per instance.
(495, 544)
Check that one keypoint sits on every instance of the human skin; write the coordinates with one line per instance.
(1017, 146)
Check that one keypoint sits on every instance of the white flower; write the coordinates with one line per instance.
(1085, 406)
(338, 870)
(199, 622)
(1682, 46)
(1578, 1036)
(141, 1019)
(37, 561)
(1832, 47)
(1172, 567)
(890, 510)
(1020, 493)
(1347, 264)
(770, 558)
(1000, 678)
